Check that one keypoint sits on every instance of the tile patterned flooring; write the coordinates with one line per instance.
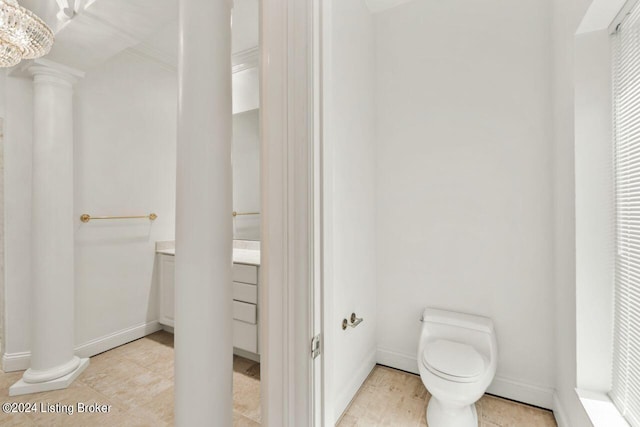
(394, 398)
(136, 379)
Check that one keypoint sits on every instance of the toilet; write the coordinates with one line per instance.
(457, 356)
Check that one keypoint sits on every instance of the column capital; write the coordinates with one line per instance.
(44, 70)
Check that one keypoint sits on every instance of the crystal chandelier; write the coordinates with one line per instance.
(22, 34)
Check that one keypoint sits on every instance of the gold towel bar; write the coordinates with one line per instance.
(234, 213)
(87, 217)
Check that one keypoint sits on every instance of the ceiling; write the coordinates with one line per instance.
(104, 28)
(599, 15)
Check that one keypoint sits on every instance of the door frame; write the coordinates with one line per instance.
(290, 220)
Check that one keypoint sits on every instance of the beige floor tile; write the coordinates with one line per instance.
(423, 417)
(246, 388)
(131, 420)
(7, 380)
(154, 352)
(126, 382)
(246, 396)
(60, 407)
(246, 366)
(395, 398)
(394, 380)
(157, 358)
(160, 409)
(121, 351)
(347, 420)
(16, 420)
(363, 408)
(506, 413)
(406, 412)
(377, 406)
(136, 379)
(240, 420)
(162, 337)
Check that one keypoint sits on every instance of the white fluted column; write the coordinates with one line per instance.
(53, 363)
(203, 322)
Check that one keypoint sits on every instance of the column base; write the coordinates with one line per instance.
(22, 387)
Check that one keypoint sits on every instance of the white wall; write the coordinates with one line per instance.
(125, 151)
(464, 178)
(246, 23)
(566, 18)
(349, 199)
(124, 155)
(246, 90)
(595, 211)
(17, 190)
(245, 156)
(3, 93)
(2, 227)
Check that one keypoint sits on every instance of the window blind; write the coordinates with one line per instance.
(625, 391)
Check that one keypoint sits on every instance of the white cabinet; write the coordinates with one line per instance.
(166, 274)
(245, 307)
(246, 90)
(245, 301)
(245, 292)
(245, 273)
(245, 336)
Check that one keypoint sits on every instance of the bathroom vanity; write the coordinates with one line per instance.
(245, 275)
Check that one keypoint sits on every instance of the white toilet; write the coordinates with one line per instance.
(457, 361)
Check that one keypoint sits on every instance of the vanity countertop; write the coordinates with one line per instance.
(240, 255)
(168, 251)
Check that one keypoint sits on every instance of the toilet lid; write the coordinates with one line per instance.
(453, 359)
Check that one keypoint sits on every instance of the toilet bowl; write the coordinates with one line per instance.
(457, 356)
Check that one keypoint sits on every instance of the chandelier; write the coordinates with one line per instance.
(22, 34)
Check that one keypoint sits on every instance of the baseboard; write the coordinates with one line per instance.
(559, 412)
(520, 391)
(20, 361)
(502, 386)
(16, 361)
(347, 393)
(397, 360)
(246, 354)
(107, 342)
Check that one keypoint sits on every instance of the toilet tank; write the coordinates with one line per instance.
(461, 327)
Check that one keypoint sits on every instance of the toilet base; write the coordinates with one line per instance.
(439, 415)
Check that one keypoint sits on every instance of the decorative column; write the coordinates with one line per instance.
(53, 363)
(203, 299)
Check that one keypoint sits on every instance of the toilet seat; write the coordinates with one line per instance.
(453, 361)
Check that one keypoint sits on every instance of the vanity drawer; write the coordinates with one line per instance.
(245, 336)
(245, 312)
(245, 273)
(245, 292)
